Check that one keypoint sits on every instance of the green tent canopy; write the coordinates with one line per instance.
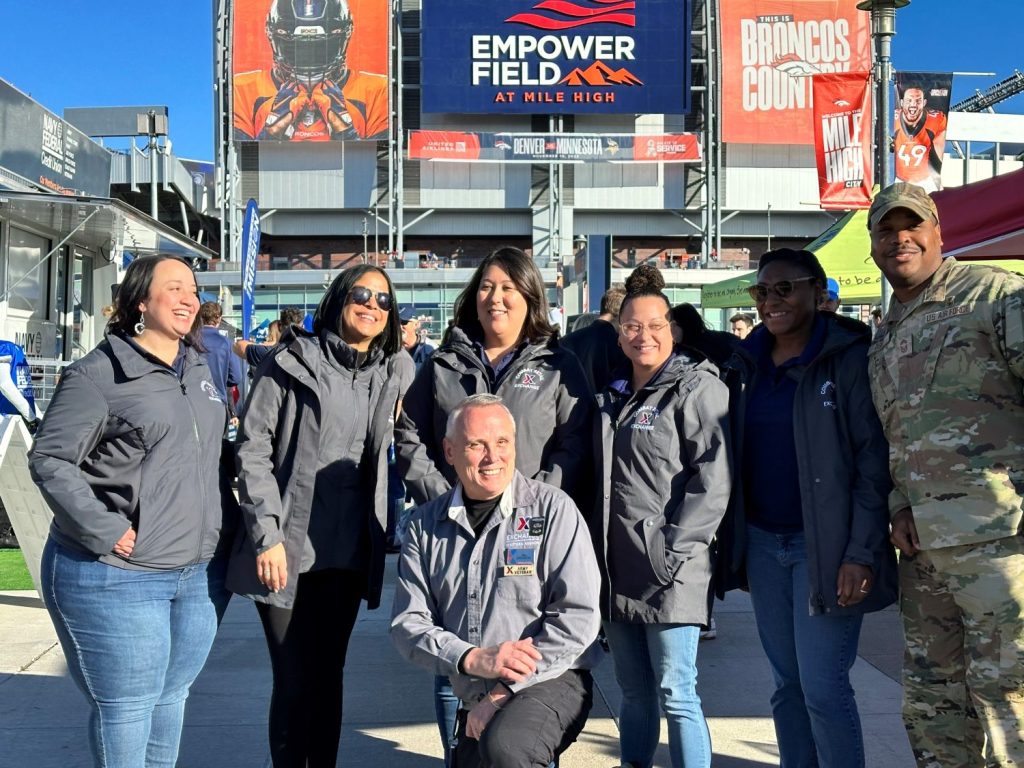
(844, 250)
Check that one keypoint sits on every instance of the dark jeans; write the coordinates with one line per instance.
(533, 728)
(307, 646)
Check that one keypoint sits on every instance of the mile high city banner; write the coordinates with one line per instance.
(310, 70)
(919, 139)
(556, 56)
(770, 51)
(842, 139)
(462, 146)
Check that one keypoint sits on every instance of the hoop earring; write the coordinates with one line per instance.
(141, 325)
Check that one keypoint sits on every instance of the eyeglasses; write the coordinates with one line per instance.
(361, 295)
(632, 330)
(782, 289)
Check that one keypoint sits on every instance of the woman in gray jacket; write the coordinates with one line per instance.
(312, 482)
(127, 458)
(502, 344)
(810, 510)
(664, 473)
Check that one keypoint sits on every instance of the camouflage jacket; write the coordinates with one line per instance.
(946, 377)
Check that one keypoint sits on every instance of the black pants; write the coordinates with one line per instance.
(307, 652)
(533, 728)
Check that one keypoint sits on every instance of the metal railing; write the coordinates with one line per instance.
(45, 375)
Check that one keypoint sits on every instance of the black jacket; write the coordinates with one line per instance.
(842, 463)
(279, 444)
(664, 467)
(597, 347)
(544, 388)
(125, 442)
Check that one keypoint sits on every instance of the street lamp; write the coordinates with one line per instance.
(883, 27)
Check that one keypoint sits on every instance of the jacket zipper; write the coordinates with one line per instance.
(199, 462)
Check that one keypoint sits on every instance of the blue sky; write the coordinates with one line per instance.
(75, 53)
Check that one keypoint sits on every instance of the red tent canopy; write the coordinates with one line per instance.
(983, 220)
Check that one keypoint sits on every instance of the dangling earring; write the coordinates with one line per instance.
(141, 325)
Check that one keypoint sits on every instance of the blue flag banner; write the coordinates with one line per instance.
(250, 252)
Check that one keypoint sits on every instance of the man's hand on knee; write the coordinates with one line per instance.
(480, 715)
(513, 660)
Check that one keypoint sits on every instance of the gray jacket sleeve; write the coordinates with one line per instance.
(416, 441)
(258, 492)
(572, 586)
(71, 430)
(572, 433)
(869, 506)
(702, 421)
(416, 627)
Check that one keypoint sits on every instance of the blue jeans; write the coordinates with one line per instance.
(134, 643)
(656, 665)
(816, 720)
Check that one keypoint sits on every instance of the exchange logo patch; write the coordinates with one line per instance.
(645, 418)
(529, 378)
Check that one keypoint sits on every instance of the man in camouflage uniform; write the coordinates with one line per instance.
(946, 374)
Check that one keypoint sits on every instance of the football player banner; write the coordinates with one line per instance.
(770, 51)
(842, 139)
(919, 135)
(310, 70)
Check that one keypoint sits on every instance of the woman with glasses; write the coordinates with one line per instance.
(664, 483)
(312, 482)
(810, 505)
(500, 343)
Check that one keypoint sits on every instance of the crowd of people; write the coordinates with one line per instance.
(569, 494)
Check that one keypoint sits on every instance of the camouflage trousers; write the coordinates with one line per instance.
(963, 670)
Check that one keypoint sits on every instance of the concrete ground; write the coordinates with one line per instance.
(389, 718)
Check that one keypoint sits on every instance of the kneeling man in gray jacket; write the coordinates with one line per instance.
(498, 588)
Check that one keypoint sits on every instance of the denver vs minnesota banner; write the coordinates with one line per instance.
(770, 51)
(310, 70)
(464, 146)
(919, 140)
(842, 139)
(556, 56)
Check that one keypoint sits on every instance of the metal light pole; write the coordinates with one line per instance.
(366, 232)
(769, 226)
(883, 27)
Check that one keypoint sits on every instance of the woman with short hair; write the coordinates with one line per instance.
(132, 573)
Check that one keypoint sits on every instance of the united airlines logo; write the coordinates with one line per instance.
(529, 378)
(560, 14)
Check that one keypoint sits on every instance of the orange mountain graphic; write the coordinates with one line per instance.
(599, 73)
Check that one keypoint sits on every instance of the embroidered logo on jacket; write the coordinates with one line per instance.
(529, 378)
(828, 395)
(211, 391)
(645, 418)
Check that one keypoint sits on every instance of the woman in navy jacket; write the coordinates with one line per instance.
(810, 523)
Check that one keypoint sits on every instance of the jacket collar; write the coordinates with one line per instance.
(519, 493)
(136, 364)
(934, 291)
(678, 364)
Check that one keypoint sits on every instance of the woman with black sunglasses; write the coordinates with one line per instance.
(312, 482)
(810, 511)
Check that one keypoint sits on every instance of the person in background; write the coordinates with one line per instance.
(133, 569)
(809, 505)
(597, 344)
(830, 300)
(947, 378)
(500, 343)
(254, 353)
(312, 482)
(16, 396)
(664, 484)
(418, 350)
(741, 324)
(514, 625)
(225, 368)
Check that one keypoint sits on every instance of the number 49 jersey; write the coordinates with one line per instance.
(919, 149)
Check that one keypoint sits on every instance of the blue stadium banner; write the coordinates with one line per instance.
(250, 253)
(556, 56)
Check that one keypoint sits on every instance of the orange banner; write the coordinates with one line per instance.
(310, 71)
(842, 139)
(770, 51)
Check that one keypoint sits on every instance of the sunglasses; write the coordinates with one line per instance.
(361, 295)
(782, 289)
